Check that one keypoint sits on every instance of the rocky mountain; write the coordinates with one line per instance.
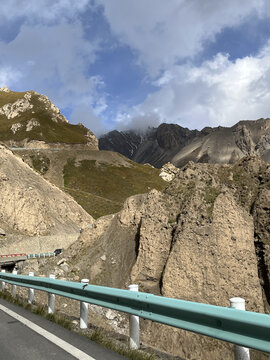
(204, 238)
(155, 146)
(28, 119)
(36, 215)
(171, 142)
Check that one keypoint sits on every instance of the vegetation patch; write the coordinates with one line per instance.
(41, 163)
(210, 195)
(107, 185)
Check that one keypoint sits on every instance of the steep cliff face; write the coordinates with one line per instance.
(28, 119)
(172, 143)
(31, 206)
(204, 238)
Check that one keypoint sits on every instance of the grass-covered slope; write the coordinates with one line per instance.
(48, 130)
(101, 188)
(99, 181)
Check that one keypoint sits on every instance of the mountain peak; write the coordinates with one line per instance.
(27, 117)
(5, 89)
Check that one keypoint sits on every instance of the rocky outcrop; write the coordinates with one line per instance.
(12, 110)
(31, 124)
(5, 89)
(204, 239)
(15, 127)
(55, 111)
(168, 172)
(243, 140)
(32, 206)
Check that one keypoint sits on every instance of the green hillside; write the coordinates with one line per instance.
(48, 130)
(102, 188)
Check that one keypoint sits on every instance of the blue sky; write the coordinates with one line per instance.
(137, 63)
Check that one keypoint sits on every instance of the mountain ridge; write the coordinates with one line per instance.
(178, 145)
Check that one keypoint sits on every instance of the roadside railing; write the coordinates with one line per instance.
(41, 255)
(243, 328)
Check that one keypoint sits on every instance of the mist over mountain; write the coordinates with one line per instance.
(173, 143)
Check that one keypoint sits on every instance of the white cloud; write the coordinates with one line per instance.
(8, 75)
(139, 122)
(54, 60)
(42, 10)
(164, 32)
(85, 114)
(219, 92)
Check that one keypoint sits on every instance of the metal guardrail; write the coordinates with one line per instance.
(13, 258)
(243, 328)
(41, 255)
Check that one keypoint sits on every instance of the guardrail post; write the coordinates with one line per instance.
(30, 292)
(134, 325)
(84, 310)
(14, 287)
(240, 352)
(51, 299)
(3, 284)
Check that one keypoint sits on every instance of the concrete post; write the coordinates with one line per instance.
(84, 310)
(14, 287)
(30, 291)
(240, 352)
(51, 299)
(134, 325)
(3, 284)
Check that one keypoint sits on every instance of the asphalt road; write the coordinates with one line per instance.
(27, 336)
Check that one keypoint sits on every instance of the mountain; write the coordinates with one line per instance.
(178, 145)
(155, 146)
(28, 119)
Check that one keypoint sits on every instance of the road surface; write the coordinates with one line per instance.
(27, 336)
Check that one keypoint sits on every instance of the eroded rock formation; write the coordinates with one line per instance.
(199, 240)
(31, 206)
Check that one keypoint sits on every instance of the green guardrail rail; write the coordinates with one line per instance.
(41, 255)
(243, 328)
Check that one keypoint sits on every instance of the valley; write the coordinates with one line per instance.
(203, 236)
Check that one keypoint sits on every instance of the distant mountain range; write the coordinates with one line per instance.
(173, 143)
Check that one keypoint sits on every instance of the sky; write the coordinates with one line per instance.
(130, 64)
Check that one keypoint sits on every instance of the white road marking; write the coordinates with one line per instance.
(72, 350)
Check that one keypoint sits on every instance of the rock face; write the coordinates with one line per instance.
(204, 239)
(28, 117)
(172, 143)
(168, 172)
(49, 106)
(12, 110)
(156, 146)
(31, 206)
